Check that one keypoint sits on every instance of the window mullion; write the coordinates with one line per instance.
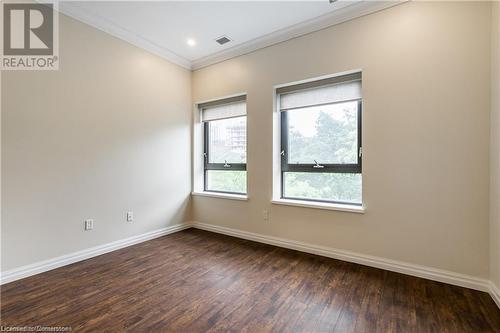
(360, 142)
(213, 175)
(328, 168)
(221, 167)
(317, 181)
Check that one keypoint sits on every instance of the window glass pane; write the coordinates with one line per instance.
(227, 181)
(327, 134)
(228, 140)
(338, 187)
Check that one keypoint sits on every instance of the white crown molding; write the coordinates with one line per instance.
(73, 10)
(47, 265)
(346, 13)
(349, 12)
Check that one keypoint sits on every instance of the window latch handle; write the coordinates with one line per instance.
(282, 153)
(318, 166)
(226, 165)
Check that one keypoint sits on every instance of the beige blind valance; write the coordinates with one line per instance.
(223, 109)
(325, 91)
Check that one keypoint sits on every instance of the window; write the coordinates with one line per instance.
(225, 145)
(321, 140)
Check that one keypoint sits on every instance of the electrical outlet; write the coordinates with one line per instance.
(265, 215)
(89, 224)
(130, 216)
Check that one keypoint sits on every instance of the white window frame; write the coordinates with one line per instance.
(198, 158)
(277, 172)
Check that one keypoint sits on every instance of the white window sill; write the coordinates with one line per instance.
(320, 205)
(230, 196)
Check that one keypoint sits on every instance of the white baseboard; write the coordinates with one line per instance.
(382, 263)
(387, 264)
(47, 265)
(495, 293)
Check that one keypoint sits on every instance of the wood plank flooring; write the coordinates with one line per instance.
(197, 281)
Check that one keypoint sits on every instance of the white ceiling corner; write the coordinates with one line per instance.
(162, 27)
(74, 10)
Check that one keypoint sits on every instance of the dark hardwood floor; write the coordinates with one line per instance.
(197, 281)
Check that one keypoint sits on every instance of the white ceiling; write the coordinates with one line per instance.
(163, 27)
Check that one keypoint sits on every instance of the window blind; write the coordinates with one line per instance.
(223, 109)
(326, 91)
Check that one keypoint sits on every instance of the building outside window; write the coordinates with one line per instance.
(225, 145)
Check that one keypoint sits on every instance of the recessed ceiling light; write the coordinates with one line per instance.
(191, 42)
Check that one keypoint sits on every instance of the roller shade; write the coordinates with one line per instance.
(326, 91)
(223, 109)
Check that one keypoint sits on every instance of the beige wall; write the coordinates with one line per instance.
(426, 87)
(107, 133)
(495, 146)
(119, 117)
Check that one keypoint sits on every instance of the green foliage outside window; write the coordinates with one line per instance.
(330, 139)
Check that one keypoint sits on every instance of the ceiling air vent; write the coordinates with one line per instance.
(223, 40)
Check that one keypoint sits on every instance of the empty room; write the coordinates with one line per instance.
(250, 166)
